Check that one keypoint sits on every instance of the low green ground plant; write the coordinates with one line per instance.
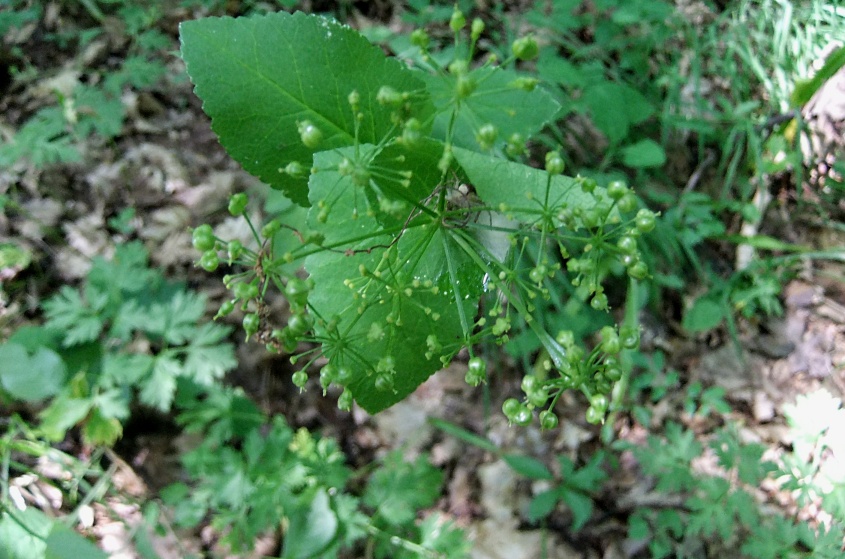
(126, 335)
(425, 208)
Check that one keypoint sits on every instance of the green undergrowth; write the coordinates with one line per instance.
(465, 198)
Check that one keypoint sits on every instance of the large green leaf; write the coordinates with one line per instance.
(258, 76)
(30, 376)
(312, 526)
(495, 101)
(530, 196)
(64, 543)
(405, 312)
(23, 533)
(519, 187)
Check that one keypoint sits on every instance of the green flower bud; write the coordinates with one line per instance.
(525, 48)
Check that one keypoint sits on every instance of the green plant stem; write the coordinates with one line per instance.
(398, 541)
(620, 390)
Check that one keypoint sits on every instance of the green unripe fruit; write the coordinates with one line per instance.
(610, 340)
(486, 136)
(524, 83)
(310, 135)
(465, 86)
(295, 169)
(476, 371)
(594, 416)
(638, 270)
(297, 291)
(530, 383)
(516, 145)
(384, 383)
(328, 374)
(645, 220)
(630, 337)
(522, 417)
(457, 21)
(538, 273)
(354, 98)
(299, 324)
(590, 218)
(234, 249)
(209, 260)
(548, 420)
(344, 376)
(538, 397)
(510, 407)
(566, 338)
(245, 291)
(617, 189)
(599, 401)
(270, 228)
(203, 237)
(420, 38)
(587, 184)
(226, 309)
(250, 324)
(599, 302)
(525, 48)
(554, 163)
(344, 401)
(477, 29)
(388, 96)
(412, 132)
(627, 203)
(613, 374)
(237, 204)
(627, 244)
(299, 378)
(458, 67)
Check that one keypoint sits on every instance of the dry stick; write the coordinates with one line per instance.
(695, 178)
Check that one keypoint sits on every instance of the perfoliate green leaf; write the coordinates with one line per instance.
(412, 298)
(30, 377)
(495, 101)
(257, 81)
(518, 187)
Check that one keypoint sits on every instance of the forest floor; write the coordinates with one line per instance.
(167, 169)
